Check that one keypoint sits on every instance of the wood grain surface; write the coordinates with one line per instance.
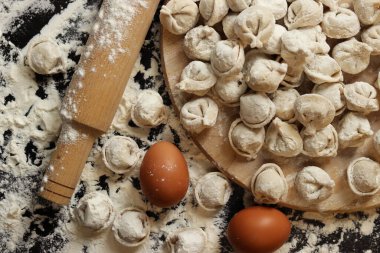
(215, 145)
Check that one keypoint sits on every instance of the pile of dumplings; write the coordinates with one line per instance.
(261, 56)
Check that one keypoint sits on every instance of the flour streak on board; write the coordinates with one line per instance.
(29, 126)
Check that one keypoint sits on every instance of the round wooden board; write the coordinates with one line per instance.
(215, 145)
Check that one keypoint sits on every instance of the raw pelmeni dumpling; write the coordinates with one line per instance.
(187, 240)
(246, 141)
(256, 110)
(331, 4)
(277, 7)
(199, 114)
(314, 112)
(229, 90)
(114, 154)
(228, 24)
(199, 42)
(371, 37)
(300, 43)
(273, 45)
(269, 185)
(227, 58)
(261, 73)
(95, 211)
(303, 13)
(197, 78)
(353, 130)
(284, 100)
(295, 75)
(213, 11)
(352, 55)
(45, 57)
(368, 11)
(377, 83)
(131, 227)
(363, 176)
(149, 109)
(324, 143)
(179, 16)
(334, 93)
(254, 26)
(283, 139)
(321, 68)
(361, 97)
(239, 5)
(212, 191)
(313, 184)
(340, 24)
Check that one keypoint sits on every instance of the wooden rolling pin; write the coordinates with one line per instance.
(95, 92)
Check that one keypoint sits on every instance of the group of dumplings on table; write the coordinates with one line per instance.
(258, 55)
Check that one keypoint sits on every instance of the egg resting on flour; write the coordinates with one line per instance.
(164, 175)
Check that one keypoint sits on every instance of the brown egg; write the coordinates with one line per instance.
(164, 175)
(258, 230)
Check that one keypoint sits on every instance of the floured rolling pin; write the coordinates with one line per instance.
(95, 91)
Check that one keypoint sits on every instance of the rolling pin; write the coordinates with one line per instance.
(95, 92)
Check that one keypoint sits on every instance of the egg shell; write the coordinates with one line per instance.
(258, 230)
(164, 175)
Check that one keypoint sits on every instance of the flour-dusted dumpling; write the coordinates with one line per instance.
(324, 143)
(187, 240)
(277, 7)
(227, 58)
(95, 211)
(371, 37)
(131, 227)
(303, 13)
(363, 176)
(361, 97)
(377, 83)
(353, 130)
(246, 141)
(256, 110)
(197, 78)
(199, 42)
(314, 112)
(254, 26)
(295, 75)
(321, 68)
(212, 191)
(273, 45)
(228, 24)
(121, 154)
(261, 73)
(352, 55)
(284, 100)
(283, 139)
(213, 11)
(368, 11)
(331, 4)
(313, 184)
(299, 43)
(239, 5)
(179, 16)
(334, 93)
(199, 114)
(45, 57)
(341, 23)
(149, 110)
(376, 141)
(229, 90)
(269, 185)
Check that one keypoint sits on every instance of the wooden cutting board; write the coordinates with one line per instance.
(215, 145)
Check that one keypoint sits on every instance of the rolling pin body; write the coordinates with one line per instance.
(96, 90)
